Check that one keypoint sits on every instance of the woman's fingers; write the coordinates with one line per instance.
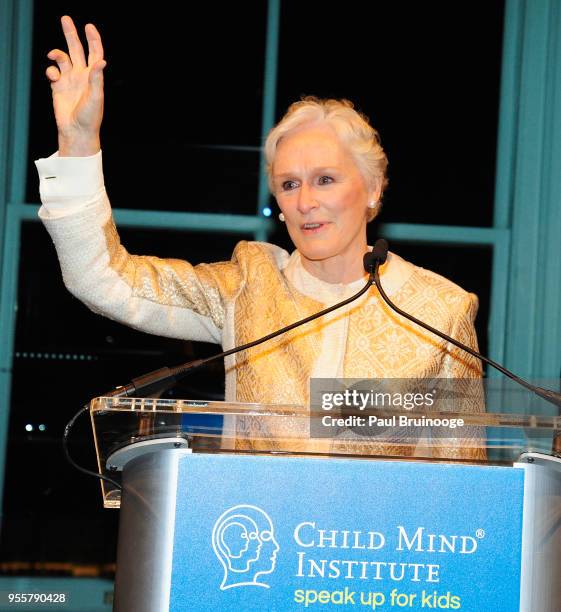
(95, 46)
(66, 62)
(73, 40)
(52, 73)
(96, 77)
(61, 58)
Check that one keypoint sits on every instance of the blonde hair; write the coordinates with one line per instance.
(352, 128)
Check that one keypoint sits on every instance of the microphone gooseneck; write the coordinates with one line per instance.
(372, 262)
(167, 377)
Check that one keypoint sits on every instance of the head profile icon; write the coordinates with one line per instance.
(244, 542)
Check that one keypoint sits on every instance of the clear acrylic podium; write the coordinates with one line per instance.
(165, 557)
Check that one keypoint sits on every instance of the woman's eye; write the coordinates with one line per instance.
(325, 180)
(288, 185)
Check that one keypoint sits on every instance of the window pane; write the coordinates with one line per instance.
(183, 101)
(427, 75)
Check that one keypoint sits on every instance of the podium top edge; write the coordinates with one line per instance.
(103, 405)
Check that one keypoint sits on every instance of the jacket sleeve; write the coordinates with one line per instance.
(465, 386)
(457, 363)
(168, 297)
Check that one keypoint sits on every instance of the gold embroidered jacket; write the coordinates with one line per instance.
(251, 295)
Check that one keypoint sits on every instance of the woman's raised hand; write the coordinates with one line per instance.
(77, 88)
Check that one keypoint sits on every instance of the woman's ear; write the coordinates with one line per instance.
(374, 204)
(376, 192)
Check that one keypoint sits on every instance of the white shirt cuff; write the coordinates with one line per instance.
(67, 184)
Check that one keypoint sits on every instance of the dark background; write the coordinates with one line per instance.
(181, 132)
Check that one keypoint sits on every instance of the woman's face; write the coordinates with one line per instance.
(321, 193)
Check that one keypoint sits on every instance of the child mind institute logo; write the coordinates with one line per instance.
(244, 542)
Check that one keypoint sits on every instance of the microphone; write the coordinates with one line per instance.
(377, 257)
(378, 254)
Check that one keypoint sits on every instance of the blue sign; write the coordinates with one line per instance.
(283, 533)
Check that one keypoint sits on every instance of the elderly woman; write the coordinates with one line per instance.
(327, 171)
